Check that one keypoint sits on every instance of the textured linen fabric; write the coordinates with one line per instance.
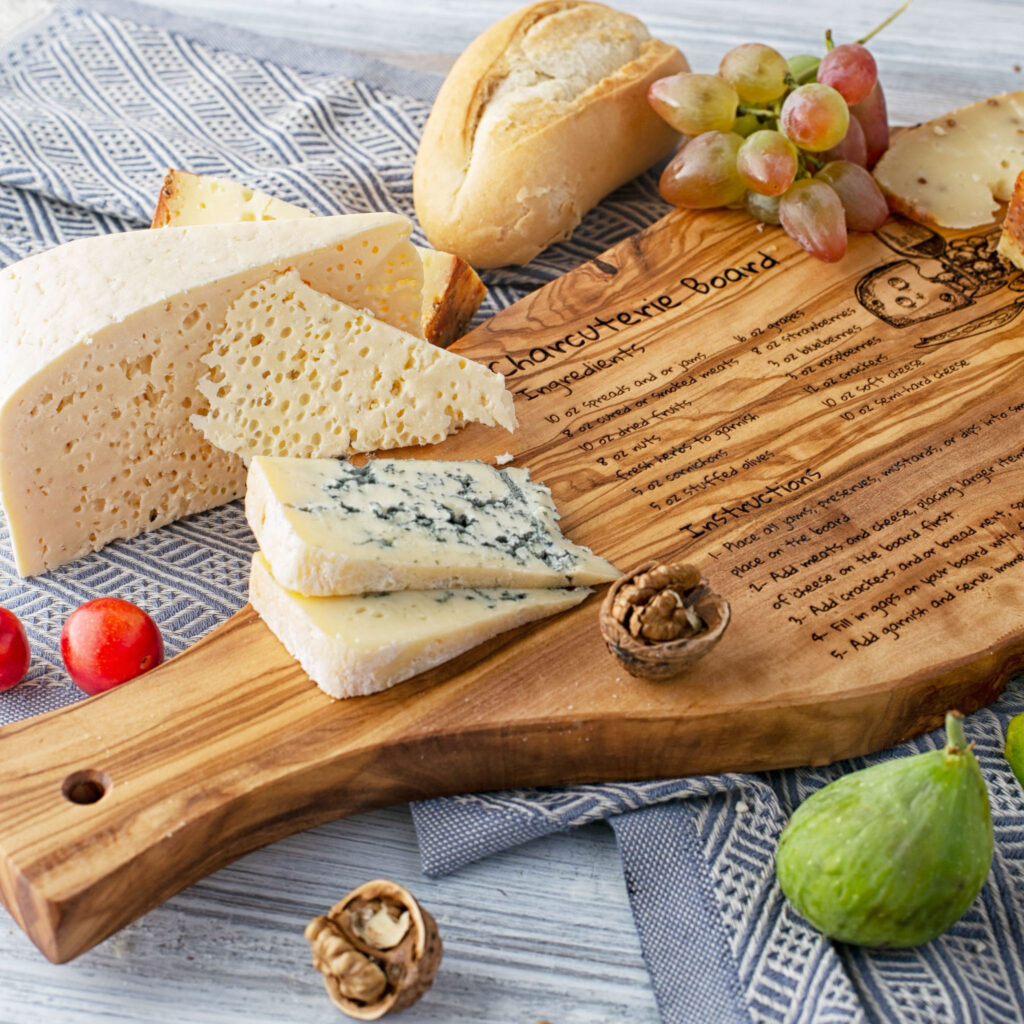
(96, 102)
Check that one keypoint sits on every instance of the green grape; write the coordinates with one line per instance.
(767, 162)
(757, 72)
(803, 68)
(693, 104)
(762, 208)
(815, 117)
(703, 173)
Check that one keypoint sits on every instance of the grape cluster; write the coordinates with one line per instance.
(791, 141)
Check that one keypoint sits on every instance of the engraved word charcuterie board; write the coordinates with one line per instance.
(840, 447)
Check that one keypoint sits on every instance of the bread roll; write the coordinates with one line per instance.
(540, 118)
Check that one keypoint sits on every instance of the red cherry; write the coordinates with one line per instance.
(108, 641)
(14, 651)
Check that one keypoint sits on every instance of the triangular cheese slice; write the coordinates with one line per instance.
(352, 646)
(297, 373)
(328, 526)
(100, 342)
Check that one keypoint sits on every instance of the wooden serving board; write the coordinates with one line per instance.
(841, 448)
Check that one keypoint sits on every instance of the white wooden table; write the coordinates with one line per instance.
(539, 933)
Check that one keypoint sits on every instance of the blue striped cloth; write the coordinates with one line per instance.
(96, 102)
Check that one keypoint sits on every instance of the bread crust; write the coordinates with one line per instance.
(1011, 239)
(498, 187)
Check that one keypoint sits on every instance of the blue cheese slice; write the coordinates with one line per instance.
(298, 373)
(328, 526)
(360, 644)
(100, 346)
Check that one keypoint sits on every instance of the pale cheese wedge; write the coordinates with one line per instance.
(357, 645)
(100, 345)
(452, 291)
(297, 373)
(328, 526)
(954, 171)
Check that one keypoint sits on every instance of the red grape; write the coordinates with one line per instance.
(813, 217)
(703, 173)
(874, 119)
(862, 199)
(854, 147)
(693, 104)
(767, 162)
(815, 117)
(850, 70)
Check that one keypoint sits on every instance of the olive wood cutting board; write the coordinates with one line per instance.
(839, 447)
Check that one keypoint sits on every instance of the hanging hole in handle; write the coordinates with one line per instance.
(85, 787)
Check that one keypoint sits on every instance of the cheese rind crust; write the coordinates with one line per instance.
(361, 644)
(330, 527)
(100, 344)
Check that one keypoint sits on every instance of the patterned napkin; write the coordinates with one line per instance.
(96, 102)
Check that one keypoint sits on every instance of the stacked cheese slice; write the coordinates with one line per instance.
(372, 574)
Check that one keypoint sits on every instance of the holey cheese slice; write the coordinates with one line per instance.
(330, 527)
(356, 645)
(100, 342)
(953, 171)
(297, 373)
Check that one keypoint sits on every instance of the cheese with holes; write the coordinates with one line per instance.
(298, 373)
(360, 644)
(330, 527)
(452, 290)
(1011, 238)
(100, 345)
(955, 170)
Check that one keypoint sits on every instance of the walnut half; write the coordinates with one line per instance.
(661, 618)
(377, 949)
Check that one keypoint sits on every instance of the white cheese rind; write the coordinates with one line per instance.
(297, 373)
(330, 527)
(100, 342)
(953, 171)
(361, 644)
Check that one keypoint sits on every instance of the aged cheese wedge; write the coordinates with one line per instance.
(1011, 238)
(100, 342)
(297, 373)
(330, 527)
(955, 170)
(452, 291)
(360, 644)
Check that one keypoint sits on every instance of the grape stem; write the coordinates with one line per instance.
(760, 112)
(888, 21)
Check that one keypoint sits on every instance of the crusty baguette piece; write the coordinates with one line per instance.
(955, 170)
(1011, 239)
(542, 116)
(452, 291)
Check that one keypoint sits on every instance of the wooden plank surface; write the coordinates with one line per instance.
(929, 65)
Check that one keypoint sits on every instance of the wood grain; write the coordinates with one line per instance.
(839, 447)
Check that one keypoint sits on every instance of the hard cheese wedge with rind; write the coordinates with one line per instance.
(953, 171)
(330, 527)
(100, 342)
(298, 373)
(361, 644)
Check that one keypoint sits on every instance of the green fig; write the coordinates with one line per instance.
(894, 854)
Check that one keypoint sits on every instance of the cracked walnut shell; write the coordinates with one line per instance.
(377, 949)
(661, 618)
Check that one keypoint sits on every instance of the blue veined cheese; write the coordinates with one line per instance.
(354, 645)
(100, 346)
(329, 526)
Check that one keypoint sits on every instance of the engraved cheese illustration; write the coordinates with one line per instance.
(100, 341)
(298, 373)
(360, 644)
(330, 527)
